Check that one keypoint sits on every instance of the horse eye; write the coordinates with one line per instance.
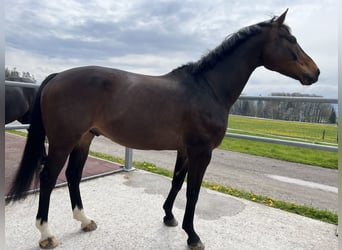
(292, 39)
(289, 38)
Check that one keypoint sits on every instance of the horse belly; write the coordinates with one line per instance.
(143, 132)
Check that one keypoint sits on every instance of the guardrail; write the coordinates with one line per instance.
(129, 153)
(22, 84)
(290, 98)
(284, 142)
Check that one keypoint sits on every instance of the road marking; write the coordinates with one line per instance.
(304, 183)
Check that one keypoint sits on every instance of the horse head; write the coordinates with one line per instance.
(283, 54)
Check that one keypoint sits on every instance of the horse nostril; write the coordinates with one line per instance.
(310, 78)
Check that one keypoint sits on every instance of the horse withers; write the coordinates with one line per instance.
(185, 110)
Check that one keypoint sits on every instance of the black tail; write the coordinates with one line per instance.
(34, 152)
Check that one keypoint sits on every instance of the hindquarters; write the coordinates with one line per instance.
(71, 104)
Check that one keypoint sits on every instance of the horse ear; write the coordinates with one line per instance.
(281, 18)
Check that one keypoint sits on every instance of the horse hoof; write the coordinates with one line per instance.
(196, 246)
(171, 222)
(90, 227)
(48, 243)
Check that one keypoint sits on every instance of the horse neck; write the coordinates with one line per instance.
(230, 75)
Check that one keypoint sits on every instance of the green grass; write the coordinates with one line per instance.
(307, 132)
(282, 152)
(18, 132)
(322, 215)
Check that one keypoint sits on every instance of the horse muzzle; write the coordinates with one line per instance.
(308, 79)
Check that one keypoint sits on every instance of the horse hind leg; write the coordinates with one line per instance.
(74, 170)
(48, 178)
(180, 171)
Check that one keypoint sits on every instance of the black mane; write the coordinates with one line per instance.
(232, 41)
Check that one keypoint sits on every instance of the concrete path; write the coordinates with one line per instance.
(127, 207)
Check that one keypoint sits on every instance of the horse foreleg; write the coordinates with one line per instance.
(180, 171)
(48, 178)
(73, 173)
(198, 162)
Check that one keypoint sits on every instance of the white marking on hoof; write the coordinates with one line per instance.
(47, 239)
(87, 224)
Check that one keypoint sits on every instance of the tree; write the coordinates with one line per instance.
(332, 117)
(14, 75)
(260, 109)
(286, 110)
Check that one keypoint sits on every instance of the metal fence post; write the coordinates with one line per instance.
(128, 159)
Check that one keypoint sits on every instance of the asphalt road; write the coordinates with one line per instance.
(281, 180)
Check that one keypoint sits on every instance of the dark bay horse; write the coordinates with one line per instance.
(18, 103)
(185, 110)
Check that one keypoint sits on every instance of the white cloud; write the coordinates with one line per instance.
(152, 38)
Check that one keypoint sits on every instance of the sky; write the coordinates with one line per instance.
(154, 37)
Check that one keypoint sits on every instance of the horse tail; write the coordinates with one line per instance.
(34, 153)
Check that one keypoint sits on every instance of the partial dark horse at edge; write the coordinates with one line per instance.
(19, 103)
(185, 110)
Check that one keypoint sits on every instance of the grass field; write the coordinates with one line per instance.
(300, 131)
(306, 132)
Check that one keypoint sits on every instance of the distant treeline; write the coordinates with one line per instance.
(14, 75)
(286, 110)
